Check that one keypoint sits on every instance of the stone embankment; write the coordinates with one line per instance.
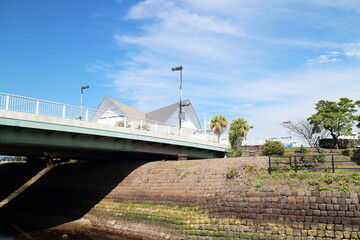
(228, 199)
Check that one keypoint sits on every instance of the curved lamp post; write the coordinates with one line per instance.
(180, 68)
(81, 99)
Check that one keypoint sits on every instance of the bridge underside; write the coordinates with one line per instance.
(23, 141)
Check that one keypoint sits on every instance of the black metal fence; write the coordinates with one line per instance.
(316, 162)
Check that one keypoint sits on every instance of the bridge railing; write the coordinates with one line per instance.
(47, 108)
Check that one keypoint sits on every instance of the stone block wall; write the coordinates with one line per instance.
(219, 199)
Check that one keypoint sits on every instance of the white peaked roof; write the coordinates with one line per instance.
(163, 114)
(159, 115)
(125, 109)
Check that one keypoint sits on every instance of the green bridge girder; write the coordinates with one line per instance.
(29, 134)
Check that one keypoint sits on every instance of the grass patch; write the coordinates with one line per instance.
(231, 172)
(258, 185)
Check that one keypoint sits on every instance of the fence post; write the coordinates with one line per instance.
(125, 122)
(63, 111)
(141, 124)
(87, 115)
(332, 163)
(156, 127)
(7, 102)
(37, 107)
(295, 164)
(269, 165)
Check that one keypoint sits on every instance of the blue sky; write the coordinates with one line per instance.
(265, 61)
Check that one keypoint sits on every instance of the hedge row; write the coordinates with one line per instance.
(343, 143)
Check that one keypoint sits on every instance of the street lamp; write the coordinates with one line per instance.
(81, 99)
(180, 68)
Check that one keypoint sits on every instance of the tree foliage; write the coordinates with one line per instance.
(218, 125)
(305, 131)
(239, 129)
(336, 117)
(357, 118)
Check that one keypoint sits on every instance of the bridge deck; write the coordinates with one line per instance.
(54, 131)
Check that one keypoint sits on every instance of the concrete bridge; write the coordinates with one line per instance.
(33, 131)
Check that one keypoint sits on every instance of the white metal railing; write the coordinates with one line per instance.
(46, 108)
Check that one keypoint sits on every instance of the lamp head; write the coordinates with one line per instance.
(84, 87)
(177, 68)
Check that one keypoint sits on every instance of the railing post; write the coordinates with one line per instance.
(125, 122)
(295, 164)
(141, 124)
(156, 127)
(7, 100)
(332, 163)
(269, 165)
(37, 107)
(63, 111)
(169, 130)
(87, 115)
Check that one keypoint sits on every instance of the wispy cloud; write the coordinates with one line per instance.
(328, 58)
(345, 50)
(261, 60)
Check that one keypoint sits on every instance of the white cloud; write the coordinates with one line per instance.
(237, 60)
(174, 19)
(324, 59)
(344, 50)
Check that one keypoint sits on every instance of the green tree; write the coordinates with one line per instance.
(357, 118)
(239, 129)
(218, 125)
(336, 117)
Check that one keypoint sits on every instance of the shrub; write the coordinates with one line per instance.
(345, 152)
(303, 150)
(356, 152)
(122, 124)
(313, 183)
(235, 152)
(231, 172)
(320, 155)
(328, 180)
(343, 143)
(356, 176)
(144, 127)
(273, 148)
(345, 189)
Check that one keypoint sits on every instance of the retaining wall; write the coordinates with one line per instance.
(221, 199)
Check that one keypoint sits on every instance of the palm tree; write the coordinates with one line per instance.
(218, 125)
(239, 129)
